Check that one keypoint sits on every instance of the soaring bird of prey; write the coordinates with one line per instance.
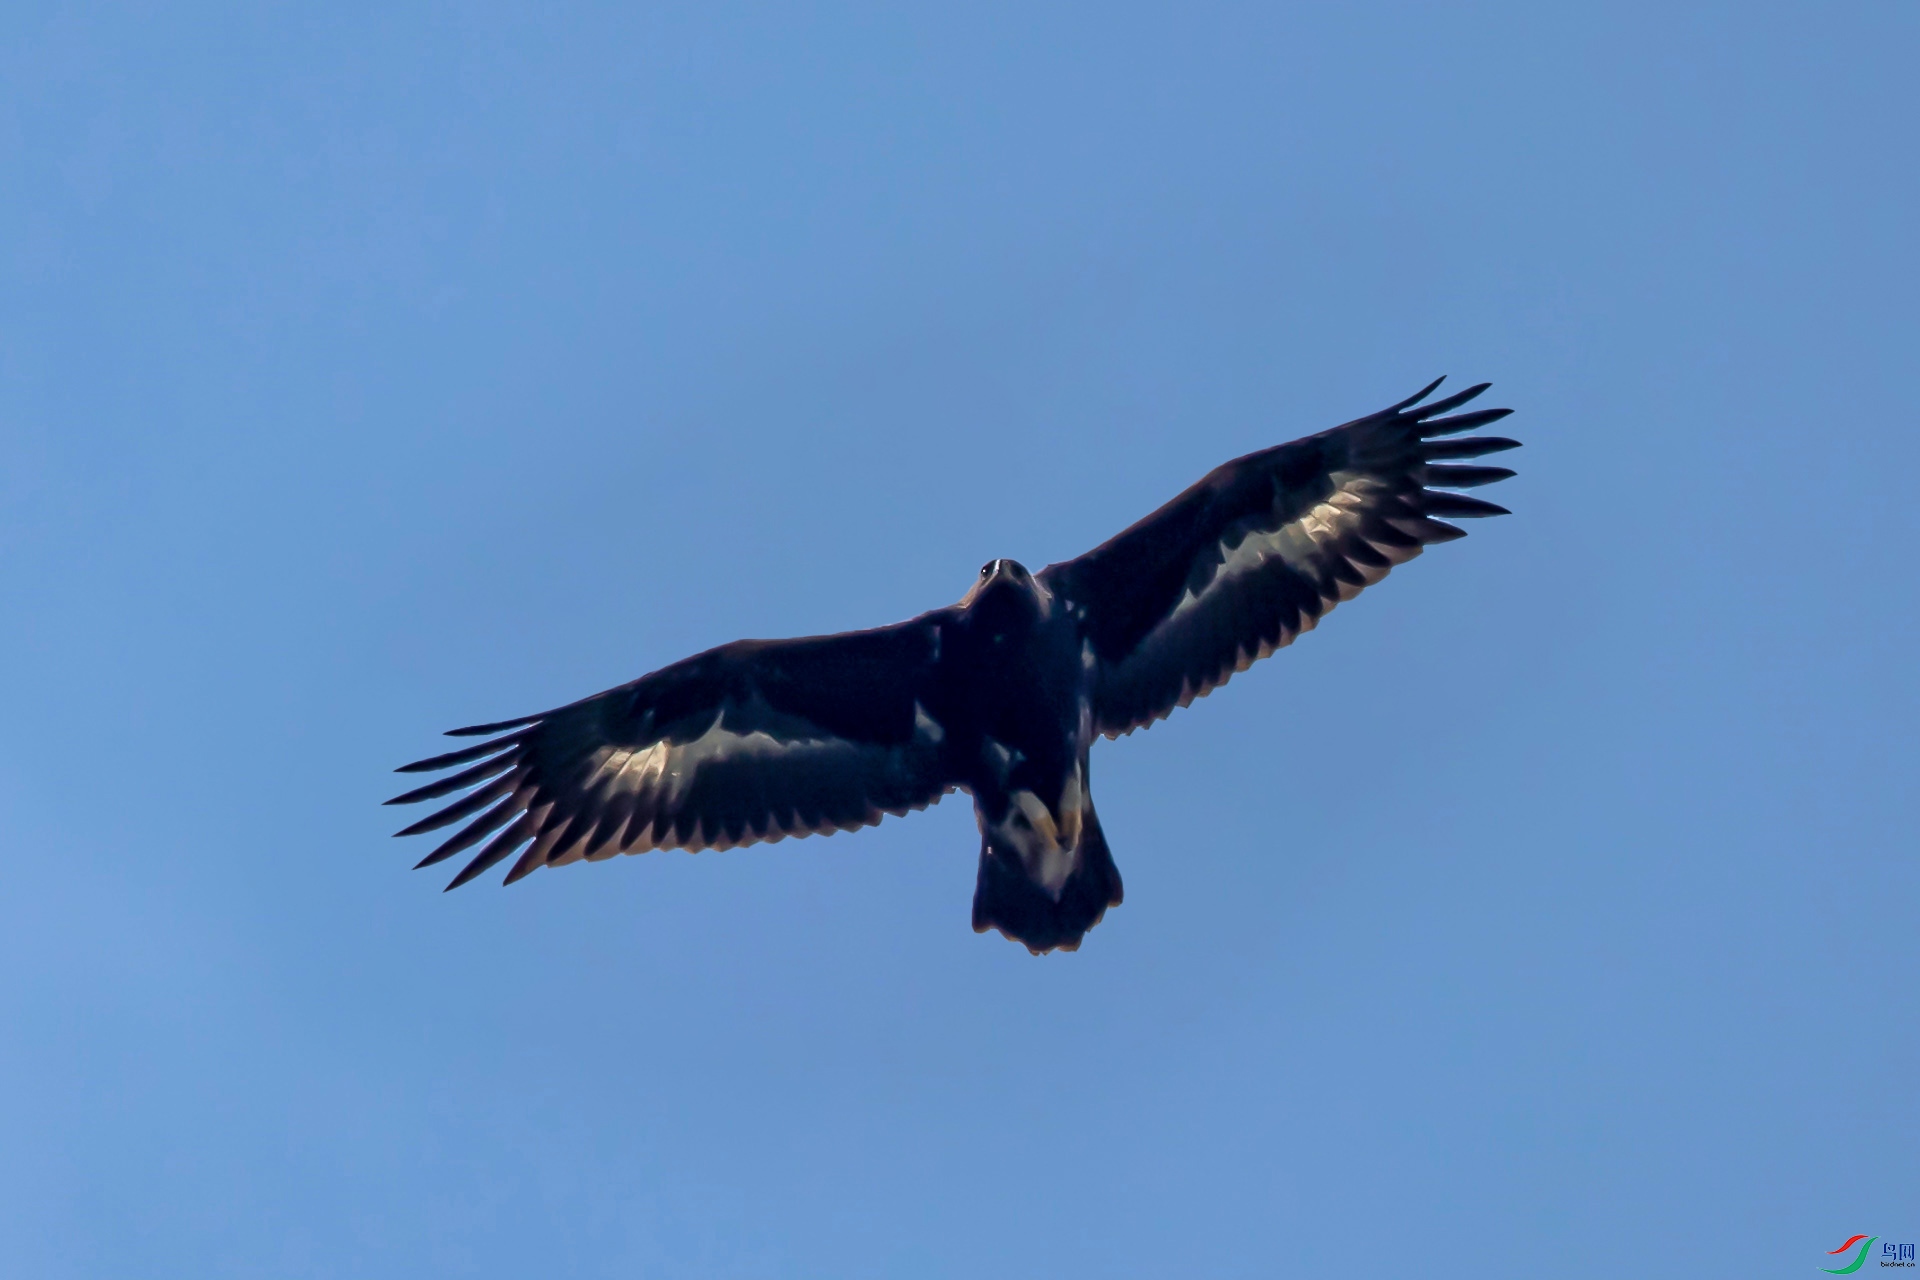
(1000, 695)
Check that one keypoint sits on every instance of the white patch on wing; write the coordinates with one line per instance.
(635, 770)
(666, 771)
(669, 767)
(659, 777)
(1304, 540)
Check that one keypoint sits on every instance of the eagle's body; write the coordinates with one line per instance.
(1000, 695)
(1022, 727)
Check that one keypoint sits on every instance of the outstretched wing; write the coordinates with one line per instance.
(1262, 547)
(755, 740)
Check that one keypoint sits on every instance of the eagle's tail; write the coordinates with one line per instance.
(1005, 898)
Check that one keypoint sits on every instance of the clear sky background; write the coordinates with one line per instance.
(370, 370)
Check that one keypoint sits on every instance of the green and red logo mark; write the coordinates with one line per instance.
(1865, 1243)
(1891, 1254)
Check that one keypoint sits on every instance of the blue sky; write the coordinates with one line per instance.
(369, 370)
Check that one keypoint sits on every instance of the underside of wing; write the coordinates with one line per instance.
(753, 741)
(1261, 549)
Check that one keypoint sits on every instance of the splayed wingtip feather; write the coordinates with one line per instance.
(1419, 395)
(1451, 402)
(498, 726)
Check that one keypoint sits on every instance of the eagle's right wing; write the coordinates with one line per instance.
(755, 740)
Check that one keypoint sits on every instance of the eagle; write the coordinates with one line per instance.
(1000, 695)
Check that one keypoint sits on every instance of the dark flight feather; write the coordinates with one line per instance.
(1460, 507)
(1466, 477)
(1471, 447)
(481, 730)
(477, 830)
(452, 758)
(455, 782)
(459, 809)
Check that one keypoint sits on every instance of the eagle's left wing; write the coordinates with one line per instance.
(755, 740)
(1256, 552)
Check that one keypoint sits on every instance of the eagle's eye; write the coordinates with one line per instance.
(986, 570)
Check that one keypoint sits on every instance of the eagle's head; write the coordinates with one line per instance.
(1006, 598)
